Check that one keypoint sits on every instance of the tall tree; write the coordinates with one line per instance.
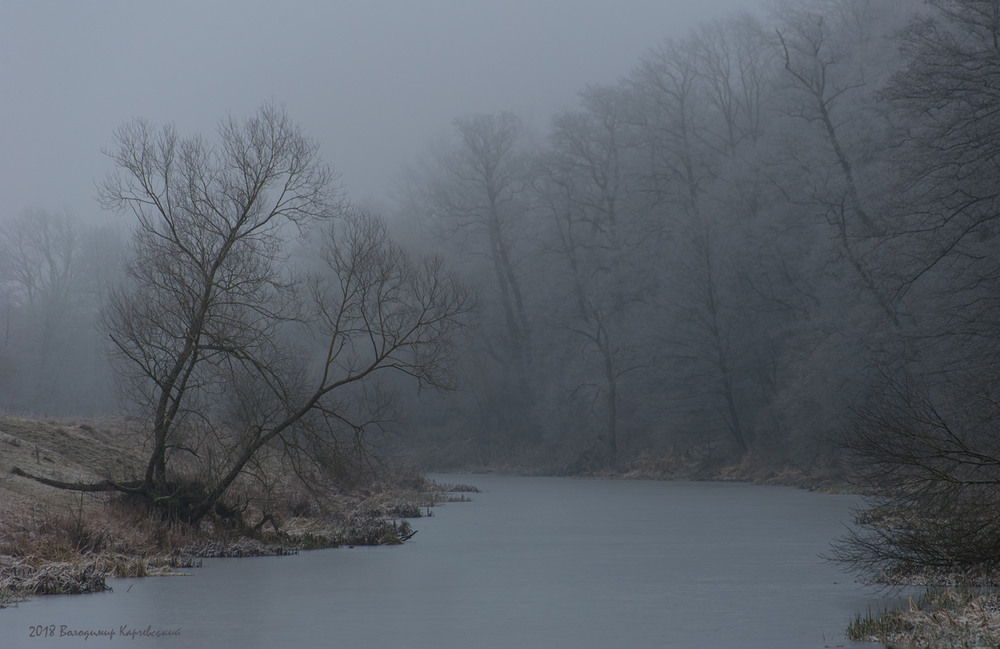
(832, 91)
(474, 193)
(201, 327)
(481, 190)
(668, 87)
(948, 166)
(597, 230)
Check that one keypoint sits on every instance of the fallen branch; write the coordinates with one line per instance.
(104, 485)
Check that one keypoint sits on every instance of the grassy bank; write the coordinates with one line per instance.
(61, 542)
(944, 618)
(54, 541)
(822, 473)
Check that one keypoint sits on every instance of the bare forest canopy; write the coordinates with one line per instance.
(731, 250)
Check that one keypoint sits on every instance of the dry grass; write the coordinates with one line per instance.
(67, 546)
(69, 449)
(55, 541)
(945, 619)
(822, 474)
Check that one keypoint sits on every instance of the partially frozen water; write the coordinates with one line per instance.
(531, 562)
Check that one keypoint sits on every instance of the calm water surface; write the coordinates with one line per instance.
(531, 562)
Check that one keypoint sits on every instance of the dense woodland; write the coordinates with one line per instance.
(767, 232)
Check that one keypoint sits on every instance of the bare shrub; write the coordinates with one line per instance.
(929, 458)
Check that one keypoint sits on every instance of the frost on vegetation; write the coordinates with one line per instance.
(947, 619)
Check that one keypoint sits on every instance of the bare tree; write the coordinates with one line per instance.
(201, 327)
(926, 443)
(947, 197)
(669, 88)
(734, 61)
(473, 191)
(820, 50)
(929, 458)
(478, 193)
(597, 223)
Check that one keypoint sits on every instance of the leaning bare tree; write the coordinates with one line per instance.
(205, 329)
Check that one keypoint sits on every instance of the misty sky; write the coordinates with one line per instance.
(372, 80)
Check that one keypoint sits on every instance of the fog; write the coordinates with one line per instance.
(696, 233)
(372, 81)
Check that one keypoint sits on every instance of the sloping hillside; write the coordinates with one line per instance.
(60, 541)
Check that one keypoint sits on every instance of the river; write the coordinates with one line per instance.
(530, 562)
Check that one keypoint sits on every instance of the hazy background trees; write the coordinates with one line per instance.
(718, 258)
(472, 196)
(55, 270)
(721, 245)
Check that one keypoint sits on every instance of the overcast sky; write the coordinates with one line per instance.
(372, 80)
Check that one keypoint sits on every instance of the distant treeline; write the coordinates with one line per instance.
(730, 251)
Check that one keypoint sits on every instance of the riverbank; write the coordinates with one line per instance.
(824, 473)
(943, 618)
(588, 563)
(54, 541)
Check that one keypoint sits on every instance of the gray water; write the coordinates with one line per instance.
(531, 562)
